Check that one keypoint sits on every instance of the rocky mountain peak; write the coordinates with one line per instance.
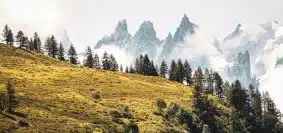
(122, 26)
(186, 27)
(146, 31)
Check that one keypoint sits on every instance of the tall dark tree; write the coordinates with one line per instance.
(96, 62)
(89, 61)
(61, 52)
(146, 65)
(163, 69)
(106, 63)
(20, 38)
(172, 71)
(238, 125)
(30, 44)
(127, 70)
(8, 35)
(239, 99)
(180, 72)
(72, 55)
(5, 33)
(271, 115)
(138, 65)
(152, 70)
(121, 68)
(50, 46)
(37, 43)
(12, 103)
(255, 110)
(198, 88)
(132, 70)
(218, 89)
(114, 64)
(188, 73)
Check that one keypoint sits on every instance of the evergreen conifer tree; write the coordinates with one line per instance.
(172, 72)
(37, 43)
(72, 55)
(188, 73)
(113, 64)
(121, 68)
(179, 71)
(50, 46)
(89, 61)
(61, 52)
(163, 69)
(96, 62)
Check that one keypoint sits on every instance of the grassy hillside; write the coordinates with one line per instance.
(59, 97)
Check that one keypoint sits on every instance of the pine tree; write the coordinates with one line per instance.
(172, 72)
(206, 80)
(72, 55)
(179, 72)
(146, 65)
(238, 124)
(37, 43)
(113, 63)
(188, 73)
(10, 38)
(30, 45)
(96, 62)
(8, 35)
(198, 88)
(5, 33)
(239, 99)
(61, 52)
(163, 69)
(255, 117)
(20, 38)
(12, 103)
(152, 70)
(227, 91)
(89, 61)
(271, 115)
(121, 68)
(138, 65)
(106, 64)
(50, 46)
(218, 85)
(132, 70)
(127, 70)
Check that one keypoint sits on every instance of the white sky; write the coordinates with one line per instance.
(86, 21)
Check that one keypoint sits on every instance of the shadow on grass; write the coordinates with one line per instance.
(19, 114)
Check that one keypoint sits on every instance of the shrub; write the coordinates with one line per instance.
(131, 128)
(96, 96)
(161, 104)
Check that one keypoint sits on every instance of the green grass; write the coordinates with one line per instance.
(58, 96)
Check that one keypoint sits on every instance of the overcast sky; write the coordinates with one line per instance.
(86, 21)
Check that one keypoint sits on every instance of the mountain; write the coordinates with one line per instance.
(167, 46)
(144, 41)
(172, 43)
(186, 27)
(119, 37)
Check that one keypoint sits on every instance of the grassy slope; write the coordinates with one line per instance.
(58, 96)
